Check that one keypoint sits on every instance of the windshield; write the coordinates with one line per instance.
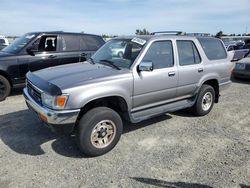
(19, 43)
(118, 53)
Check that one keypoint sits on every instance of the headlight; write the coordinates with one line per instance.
(240, 66)
(54, 102)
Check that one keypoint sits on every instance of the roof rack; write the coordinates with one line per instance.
(168, 33)
(181, 33)
(199, 34)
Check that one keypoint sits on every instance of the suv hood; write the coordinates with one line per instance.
(72, 75)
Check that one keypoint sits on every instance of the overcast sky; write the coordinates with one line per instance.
(123, 17)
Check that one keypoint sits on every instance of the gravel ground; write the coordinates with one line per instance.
(174, 150)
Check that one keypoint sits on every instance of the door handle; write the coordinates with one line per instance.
(171, 73)
(200, 70)
(52, 56)
(83, 54)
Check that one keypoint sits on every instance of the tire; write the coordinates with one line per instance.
(5, 88)
(92, 131)
(205, 100)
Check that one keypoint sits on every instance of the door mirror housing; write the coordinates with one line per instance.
(145, 66)
(31, 50)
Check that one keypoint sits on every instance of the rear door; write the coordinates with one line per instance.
(69, 49)
(190, 68)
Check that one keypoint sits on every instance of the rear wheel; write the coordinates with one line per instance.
(205, 100)
(99, 130)
(5, 88)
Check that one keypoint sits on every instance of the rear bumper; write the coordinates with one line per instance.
(57, 119)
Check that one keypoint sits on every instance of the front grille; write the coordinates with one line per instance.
(34, 92)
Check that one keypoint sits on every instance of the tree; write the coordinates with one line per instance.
(142, 32)
(219, 34)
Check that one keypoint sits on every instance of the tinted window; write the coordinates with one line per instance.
(187, 53)
(91, 43)
(46, 43)
(70, 43)
(161, 54)
(213, 48)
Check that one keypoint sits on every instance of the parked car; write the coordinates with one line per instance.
(237, 51)
(118, 48)
(3, 42)
(155, 75)
(38, 50)
(242, 68)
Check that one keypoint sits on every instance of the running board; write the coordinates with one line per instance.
(141, 115)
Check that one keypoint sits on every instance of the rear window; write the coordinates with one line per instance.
(213, 48)
(188, 53)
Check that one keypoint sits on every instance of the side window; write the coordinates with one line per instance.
(213, 48)
(161, 54)
(45, 44)
(187, 53)
(70, 43)
(91, 43)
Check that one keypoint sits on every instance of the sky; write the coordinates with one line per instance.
(123, 17)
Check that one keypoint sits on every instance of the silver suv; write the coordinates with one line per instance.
(155, 74)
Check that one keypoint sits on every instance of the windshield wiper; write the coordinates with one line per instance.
(91, 60)
(110, 63)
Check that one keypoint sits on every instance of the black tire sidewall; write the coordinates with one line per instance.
(7, 85)
(198, 106)
(86, 125)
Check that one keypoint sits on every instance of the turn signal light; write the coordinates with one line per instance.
(61, 101)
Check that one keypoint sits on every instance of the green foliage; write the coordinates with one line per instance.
(142, 32)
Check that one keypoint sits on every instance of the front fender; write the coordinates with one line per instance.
(79, 97)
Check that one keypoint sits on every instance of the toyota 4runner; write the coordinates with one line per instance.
(154, 75)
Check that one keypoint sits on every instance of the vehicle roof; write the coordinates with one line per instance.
(159, 37)
(59, 32)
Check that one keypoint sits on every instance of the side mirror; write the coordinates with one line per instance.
(145, 66)
(31, 50)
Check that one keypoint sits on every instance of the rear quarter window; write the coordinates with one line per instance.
(213, 48)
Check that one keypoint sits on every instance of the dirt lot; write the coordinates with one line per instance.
(176, 150)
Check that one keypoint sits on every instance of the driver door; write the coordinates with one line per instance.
(45, 55)
(155, 87)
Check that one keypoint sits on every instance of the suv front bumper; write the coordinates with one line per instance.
(61, 120)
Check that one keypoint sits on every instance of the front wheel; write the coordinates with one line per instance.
(205, 100)
(5, 88)
(99, 130)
